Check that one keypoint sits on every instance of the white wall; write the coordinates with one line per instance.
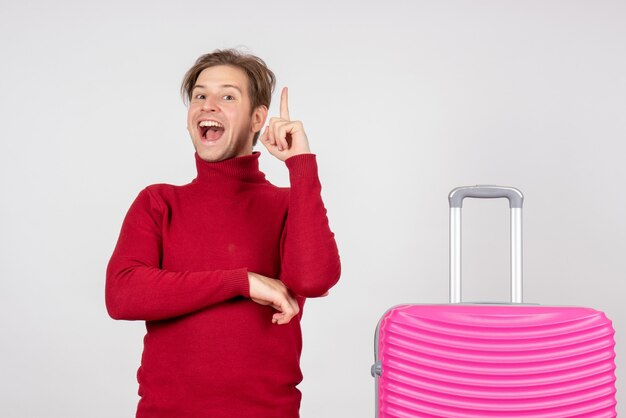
(402, 101)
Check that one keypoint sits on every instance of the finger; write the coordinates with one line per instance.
(284, 105)
(281, 131)
(294, 303)
(270, 135)
(275, 135)
(266, 141)
(286, 311)
(295, 308)
(277, 318)
(281, 318)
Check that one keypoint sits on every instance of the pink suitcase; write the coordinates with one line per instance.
(493, 360)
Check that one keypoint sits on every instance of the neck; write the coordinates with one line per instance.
(241, 169)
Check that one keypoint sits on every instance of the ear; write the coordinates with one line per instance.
(258, 118)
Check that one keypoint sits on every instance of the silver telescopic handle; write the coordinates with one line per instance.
(516, 200)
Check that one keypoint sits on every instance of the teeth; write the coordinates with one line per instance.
(211, 123)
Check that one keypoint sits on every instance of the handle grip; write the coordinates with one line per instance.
(516, 199)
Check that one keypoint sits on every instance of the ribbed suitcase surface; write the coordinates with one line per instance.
(478, 361)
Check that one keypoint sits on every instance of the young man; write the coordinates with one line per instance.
(220, 268)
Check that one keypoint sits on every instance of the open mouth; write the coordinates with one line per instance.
(210, 130)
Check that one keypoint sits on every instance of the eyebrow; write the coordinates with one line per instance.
(222, 86)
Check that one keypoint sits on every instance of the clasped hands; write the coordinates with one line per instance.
(272, 292)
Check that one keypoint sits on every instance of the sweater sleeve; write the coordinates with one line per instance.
(310, 263)
(137, 288)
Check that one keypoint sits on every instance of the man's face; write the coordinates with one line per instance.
(219, 120)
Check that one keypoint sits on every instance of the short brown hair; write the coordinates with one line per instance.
(261, 80)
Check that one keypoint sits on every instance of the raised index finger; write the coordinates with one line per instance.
(284, 105)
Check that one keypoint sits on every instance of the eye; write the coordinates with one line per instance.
(228, 97)
(199, 96)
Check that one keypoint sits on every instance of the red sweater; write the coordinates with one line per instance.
(181, 264)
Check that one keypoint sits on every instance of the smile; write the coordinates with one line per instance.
(210, 130)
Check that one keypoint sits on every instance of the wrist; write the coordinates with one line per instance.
(302, 165)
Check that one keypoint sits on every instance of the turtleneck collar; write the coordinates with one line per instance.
(244, 169)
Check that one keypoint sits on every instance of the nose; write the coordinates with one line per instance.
(210, 104)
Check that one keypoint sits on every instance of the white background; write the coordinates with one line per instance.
(402, 101)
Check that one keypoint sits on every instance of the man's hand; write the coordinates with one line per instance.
(272, 292)
(283, 137)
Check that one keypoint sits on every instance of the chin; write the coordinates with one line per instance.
(212, 157)
(219, 152)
